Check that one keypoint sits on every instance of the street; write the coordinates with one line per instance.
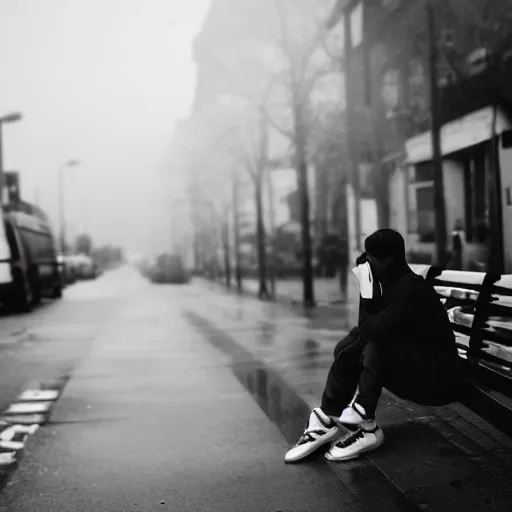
(186, 398)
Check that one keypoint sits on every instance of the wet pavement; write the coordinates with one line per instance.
(439, 458)
(327, 290)
(186, 398)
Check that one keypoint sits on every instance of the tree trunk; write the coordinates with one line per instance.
(260, 240)
(322, 201)
(380, 175)
(236, 235)
(272, 227)
(302, 168)
(260, 223)
(227, 256)
(381, 191)
(437, 158)
(352, 129)
(196, 252)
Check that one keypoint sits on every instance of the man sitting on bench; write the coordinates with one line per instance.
(404, 342)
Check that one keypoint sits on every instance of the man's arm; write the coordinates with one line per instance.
(405, 307)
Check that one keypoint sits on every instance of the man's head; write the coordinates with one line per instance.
(385, 248)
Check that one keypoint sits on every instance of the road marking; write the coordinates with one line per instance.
(28, 408)
(7, 458)
(12, 445)
(9, 433)
(23, 418)
(38, 395)
(29, 419)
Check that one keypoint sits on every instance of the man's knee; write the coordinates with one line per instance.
(372, 353)
(348, 344)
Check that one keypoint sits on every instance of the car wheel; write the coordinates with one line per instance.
(57, 292)
(24, 300)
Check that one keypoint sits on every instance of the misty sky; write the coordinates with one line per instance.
(102, 81)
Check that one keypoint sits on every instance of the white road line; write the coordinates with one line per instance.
(12, 445)
(22, 419)
(36, 395)
(9, 433)
(28, 419)
(28, 408)
(7, 458)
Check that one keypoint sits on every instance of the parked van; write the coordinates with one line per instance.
(32, 260)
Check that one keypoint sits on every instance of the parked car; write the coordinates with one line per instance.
(84, 267)
(33, 260)
(66, 270)
(168, 268)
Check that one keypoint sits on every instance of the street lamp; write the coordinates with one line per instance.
(68, 163)
(13, 117)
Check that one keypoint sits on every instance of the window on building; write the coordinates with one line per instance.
(425, 211)
(421, 202)
(476, 196)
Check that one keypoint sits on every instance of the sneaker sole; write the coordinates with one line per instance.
(332, 458)
(328, 438)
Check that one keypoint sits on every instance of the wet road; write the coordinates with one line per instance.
(152, 418)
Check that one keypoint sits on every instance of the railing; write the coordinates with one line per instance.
(479, 306)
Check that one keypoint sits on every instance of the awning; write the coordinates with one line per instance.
(459, 134)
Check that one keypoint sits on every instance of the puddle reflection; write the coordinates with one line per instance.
(275, 398)
(311, 354)
(267, 332)
(278, 400)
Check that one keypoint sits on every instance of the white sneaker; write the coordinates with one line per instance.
(354, 414)
(351, 446)
(320, 430)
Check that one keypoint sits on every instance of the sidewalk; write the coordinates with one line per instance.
(329, 303)
(437, 458)
(327, 290)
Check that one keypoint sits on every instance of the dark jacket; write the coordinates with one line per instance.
(410, 324)
(409, 309)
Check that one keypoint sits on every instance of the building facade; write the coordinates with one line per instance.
(473, 72)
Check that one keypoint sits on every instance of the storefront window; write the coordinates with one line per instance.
(476, 188)
(477, 214)
(421, 199)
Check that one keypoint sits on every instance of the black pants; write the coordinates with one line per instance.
(409, 371)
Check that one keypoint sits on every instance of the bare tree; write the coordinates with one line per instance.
(276, 71)
(303, 63)
(248, 148)
(288, 63)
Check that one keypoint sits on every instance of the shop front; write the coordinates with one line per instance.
(476, 173)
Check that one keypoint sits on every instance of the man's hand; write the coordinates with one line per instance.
(405, 308)
(363, 258)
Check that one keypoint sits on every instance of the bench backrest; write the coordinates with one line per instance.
(479, 306)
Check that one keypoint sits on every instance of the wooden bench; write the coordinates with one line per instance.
(479, 306)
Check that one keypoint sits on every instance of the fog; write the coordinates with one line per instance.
(103, 82)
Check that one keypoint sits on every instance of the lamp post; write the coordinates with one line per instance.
(9, 118)
(64, 165)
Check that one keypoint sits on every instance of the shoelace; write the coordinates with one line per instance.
(351, 438)
(306, 437)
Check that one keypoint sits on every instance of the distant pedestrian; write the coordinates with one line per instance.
(404, 342)
(458, 243)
